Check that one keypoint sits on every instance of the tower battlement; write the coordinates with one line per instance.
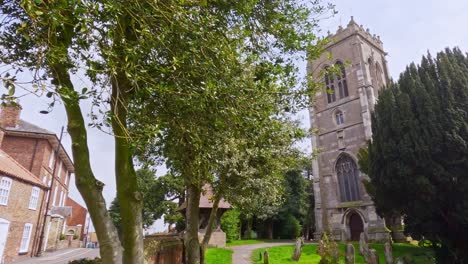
(352, 29)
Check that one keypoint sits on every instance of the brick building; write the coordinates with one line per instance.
(33, 148)
(77, 221)
(21, 209)
(341, 114)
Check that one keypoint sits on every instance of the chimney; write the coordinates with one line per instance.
(9, 115)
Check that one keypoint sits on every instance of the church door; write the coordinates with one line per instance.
(356, 226)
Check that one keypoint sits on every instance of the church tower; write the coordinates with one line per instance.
(340, 113)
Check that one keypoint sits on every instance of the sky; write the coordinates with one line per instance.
(408, 30)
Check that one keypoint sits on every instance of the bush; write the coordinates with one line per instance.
(75, 237)
(291, 228)
(86, 261)
(62, 237)
(328, 251)
(230, 224)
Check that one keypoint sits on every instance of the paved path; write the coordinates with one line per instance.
(62, 256)
(242, 253)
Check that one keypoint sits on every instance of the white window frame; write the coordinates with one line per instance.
(54, 199)
(33, 201)
(61, 198)
(51, 159)
(5, 187)
(26, 238)
(59, 169)
(66, 178)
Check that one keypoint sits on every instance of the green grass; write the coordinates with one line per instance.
(218, 255)
(282, 254)
(252, 241)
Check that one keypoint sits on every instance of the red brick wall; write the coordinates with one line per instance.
(78, 215)
(17, 212)
(9, 116)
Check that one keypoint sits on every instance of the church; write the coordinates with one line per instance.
(341, 115)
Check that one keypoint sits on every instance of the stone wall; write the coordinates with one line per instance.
(163, 249)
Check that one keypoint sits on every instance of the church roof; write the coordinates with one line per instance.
(206, 200)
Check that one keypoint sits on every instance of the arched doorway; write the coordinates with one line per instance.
(356, 226)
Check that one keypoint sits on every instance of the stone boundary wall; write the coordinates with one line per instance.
(163, 249)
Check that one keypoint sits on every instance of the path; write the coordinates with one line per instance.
(62, 256)
(243, 253)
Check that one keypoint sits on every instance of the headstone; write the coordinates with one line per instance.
(362, 244)
(400, 261)
(349, 257)
(388, 253)
(266, 258)
(373, 257)
(298, 249)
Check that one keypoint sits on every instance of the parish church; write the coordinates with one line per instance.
(341, 115)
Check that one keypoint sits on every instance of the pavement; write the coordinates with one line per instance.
(242, 253)
(62, 256)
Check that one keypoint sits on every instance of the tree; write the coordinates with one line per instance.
(158, 196)
(181, 73)
(418, 157)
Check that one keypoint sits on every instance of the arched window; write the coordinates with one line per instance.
(329, 83)
(341, 80)
(348, 179)
(339, 117)
(333, 81)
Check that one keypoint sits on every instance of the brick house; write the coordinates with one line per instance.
(34, 149)
(77, 221)
(21, 208)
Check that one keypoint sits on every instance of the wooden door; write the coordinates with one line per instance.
(356, 226)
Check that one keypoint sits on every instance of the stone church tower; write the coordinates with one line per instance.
(341, 113)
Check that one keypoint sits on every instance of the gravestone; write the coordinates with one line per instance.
(373, 257)
(388, 253)
(400, 261)
(298, 249)
(266, 257)
(362, 244)
(349, 257)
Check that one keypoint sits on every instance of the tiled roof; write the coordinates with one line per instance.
(205, 200)
(10, 167)
(24, 126)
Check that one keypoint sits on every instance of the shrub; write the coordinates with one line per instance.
(328, 251)
(62, 237)
(230, 224)
(291, 227)
(75, 237)
(86, 261)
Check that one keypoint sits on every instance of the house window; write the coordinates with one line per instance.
(61, 198)
(348, 179)
(51, 159)
(66, 178)
(34, 198)
(339, 118)
(55, 196)
(25, 238)
(59, 169)
(5, 186)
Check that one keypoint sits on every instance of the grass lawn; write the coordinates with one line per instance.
(282, 254)
(253, 241)
(218, 255)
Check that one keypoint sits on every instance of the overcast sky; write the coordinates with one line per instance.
(407, 28)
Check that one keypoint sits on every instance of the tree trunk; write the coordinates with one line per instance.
(130, 199)
(88, 186)
(270, 228)
(209, 229)
(192, 245)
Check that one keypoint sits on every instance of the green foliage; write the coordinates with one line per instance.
(418, 156)
(230, 224)
(75, 237)
(86, 261)
(290, 227)
(328, 251)
(62, 237)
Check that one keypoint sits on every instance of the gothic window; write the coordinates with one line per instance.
(339, 117)
(336, 81)
(348, 179)
(341, 80)
(378, 75)
(329, 83)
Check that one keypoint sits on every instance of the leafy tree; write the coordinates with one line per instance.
(418, 157)
(186, 76)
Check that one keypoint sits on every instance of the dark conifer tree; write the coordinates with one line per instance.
(418, 157)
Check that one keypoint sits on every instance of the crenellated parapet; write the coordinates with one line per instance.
(352, 29)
